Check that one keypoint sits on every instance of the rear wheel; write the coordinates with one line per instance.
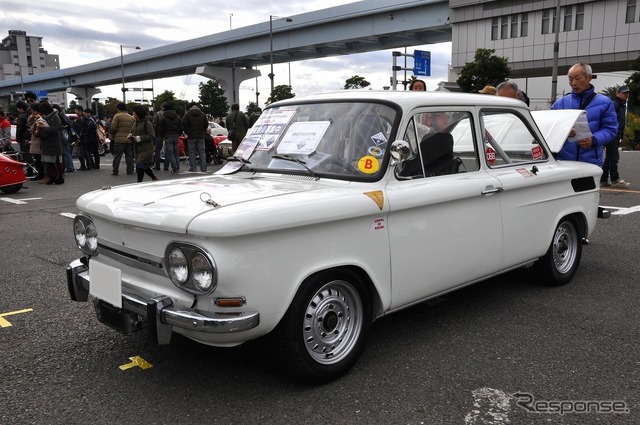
(324, 331)
(560, 263)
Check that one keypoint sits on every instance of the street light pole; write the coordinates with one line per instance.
(124, 90)
(271, 18)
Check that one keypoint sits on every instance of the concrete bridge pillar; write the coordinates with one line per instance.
(228, 78)
(83, 95)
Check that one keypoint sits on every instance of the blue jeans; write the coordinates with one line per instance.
(67, 156)
(197, 144)
(156, 154)
(171, 154)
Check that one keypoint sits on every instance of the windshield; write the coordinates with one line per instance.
(338, 140)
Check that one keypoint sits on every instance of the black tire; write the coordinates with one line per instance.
(102, 150)
(325, 329)
(11, 189)
(560, 263)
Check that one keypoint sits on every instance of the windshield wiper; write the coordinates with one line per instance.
(292, 159)
(245, 162)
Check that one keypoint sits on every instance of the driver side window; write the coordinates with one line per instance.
(441, 143)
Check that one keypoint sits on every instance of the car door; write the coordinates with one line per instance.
(445, 230)
(532, 182)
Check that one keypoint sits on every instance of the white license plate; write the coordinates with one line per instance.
(106, 283)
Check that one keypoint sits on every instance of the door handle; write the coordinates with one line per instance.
(492, 190)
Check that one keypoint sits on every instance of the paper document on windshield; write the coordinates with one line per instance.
(581, 129)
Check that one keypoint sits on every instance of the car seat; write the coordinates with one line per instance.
(436, 150)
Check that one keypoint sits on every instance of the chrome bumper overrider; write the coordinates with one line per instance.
(160, 314)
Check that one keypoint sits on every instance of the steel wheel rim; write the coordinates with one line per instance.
(565, 249)
(332, 322)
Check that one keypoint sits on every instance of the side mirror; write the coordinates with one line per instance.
(400, 150)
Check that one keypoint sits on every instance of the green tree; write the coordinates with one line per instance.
(280, 92)
(633, 82)
(167, 96)
(251, 108)
(486, 69)
(212, 99)
(356, 82)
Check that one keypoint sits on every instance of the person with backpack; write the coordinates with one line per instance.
(612, 154)
(68, 139)
(601, 116)
(237, 124)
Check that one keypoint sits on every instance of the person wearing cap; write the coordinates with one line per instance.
(612, 154)
(601, 117)
(120, 128)
(488, 90)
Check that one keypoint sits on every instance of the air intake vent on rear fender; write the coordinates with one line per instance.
(583, 184)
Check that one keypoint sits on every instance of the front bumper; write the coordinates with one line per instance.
(160, 313)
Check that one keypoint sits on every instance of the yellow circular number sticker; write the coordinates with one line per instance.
(369, 164)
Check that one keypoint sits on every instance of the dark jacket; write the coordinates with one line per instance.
(170, 124)
(621, 111)
(239, 123)
(143, 150)
(23, 133)
(603, 124)
(51, 137)
(195, 123)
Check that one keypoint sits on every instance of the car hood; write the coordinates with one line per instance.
(191, 205)
(555, 125)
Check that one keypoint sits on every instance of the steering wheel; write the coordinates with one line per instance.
(334, 164)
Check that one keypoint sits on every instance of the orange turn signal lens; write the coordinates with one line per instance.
(231, 302)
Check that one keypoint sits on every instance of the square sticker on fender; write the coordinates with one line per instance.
(106, 283)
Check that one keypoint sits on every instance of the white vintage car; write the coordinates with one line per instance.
(335, 210)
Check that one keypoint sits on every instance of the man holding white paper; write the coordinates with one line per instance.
(587, 144)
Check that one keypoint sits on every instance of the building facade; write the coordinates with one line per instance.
(22, 55)
(603, 33)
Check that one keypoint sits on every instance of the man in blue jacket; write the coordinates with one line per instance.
(601, 115)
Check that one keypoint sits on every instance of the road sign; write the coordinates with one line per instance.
(421, 63)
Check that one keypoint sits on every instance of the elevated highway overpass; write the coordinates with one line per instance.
(231, 56)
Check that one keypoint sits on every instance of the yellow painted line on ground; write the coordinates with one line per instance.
(136, 361)
(4, 323)
(611, 189)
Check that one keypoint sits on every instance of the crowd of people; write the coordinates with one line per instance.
(48, 138)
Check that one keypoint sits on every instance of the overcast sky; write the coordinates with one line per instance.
(86, 32)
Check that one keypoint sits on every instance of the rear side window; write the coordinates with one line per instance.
(508, 140)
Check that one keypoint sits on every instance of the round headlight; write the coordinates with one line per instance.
(202, 272)
(91, 236)
(86, 235)
(178, 266)
(80, 233)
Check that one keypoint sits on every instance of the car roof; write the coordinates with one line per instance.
(408, 99)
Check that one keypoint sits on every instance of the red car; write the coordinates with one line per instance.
(11, 174)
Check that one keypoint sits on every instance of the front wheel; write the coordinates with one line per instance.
(12, 188)
(324, 331)
(560, 263)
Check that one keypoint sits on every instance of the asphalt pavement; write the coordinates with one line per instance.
(504, 351)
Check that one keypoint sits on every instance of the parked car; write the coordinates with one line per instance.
(337, 209)
(217, 129)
